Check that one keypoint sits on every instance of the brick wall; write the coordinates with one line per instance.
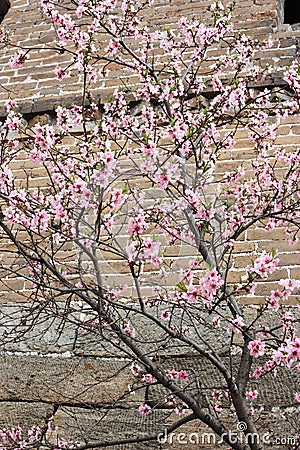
(35, 87)
(115, 270)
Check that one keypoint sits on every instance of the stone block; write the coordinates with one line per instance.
(70, 381)
(24, 414)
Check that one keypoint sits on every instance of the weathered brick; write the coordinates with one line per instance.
(260, 234)
(248, 15)
(281, 246)
(76, 380)
(293, 300)
(25, 414)
(295, 273)
(15, 284)
(290, 259)
(244, 247)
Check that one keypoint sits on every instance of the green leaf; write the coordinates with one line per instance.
(181, 286)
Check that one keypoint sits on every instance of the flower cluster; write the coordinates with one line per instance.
(138, 184)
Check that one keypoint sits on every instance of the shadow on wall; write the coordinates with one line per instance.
(291, 11)
(4, 7)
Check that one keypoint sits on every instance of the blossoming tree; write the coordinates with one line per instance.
(135, 179)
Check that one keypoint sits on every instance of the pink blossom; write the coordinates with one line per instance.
(192, 197)
(180, 409)
(257, 348)
(135, 369)
(132, 251)
(137, 225)
(273, 301)
(151, 250)
(237, 324)
(257, 373)
(178, 131)
(209, 284)
(204, 213)
(265, 264)
(148, 378)
(170, 400)
(294, 349)
(145, 410)
(191, 294)
(18, 60)
(118, 198)
(182, 375)
(85, 196)
(165, 315)
(112, 47)
(60, 73)
(290, 284)
(171, 374)
(251, 395)
(128, 330)
(269, 365)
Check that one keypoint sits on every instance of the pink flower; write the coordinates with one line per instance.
(112, 47)
(192, 197)
(178, 131)
(151, 250)
(204, 213)
(209, 284)
(257, 348)
(289, 284)
(163, 179)
(145, 409)
(132, 250)
(294, 352)
(181, 409)
(128, 330)
(59, 73)
(251, 395)
(237, 324)
(171, 374)
(269, 365)
(170, 400)
(137, 225)
(257, 373)
(18, 60)
(182, 375)
(273, 302)
(85, 196)
(191, 294)
(297, 397)
(165, 315)
(41, 219)
(135, 369)
(117, 198)
(265, 264)
(148, 378)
